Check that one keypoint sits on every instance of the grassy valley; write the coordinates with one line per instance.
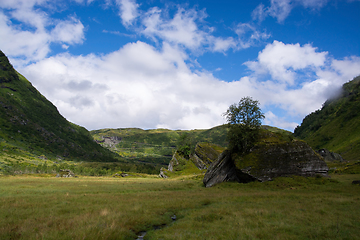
(34, 207)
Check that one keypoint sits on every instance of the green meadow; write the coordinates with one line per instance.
(44, 207)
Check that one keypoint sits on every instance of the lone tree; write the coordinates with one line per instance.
(244, 122)
(185, 145)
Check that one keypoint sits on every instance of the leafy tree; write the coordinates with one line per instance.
(185, 145)
(244, 122)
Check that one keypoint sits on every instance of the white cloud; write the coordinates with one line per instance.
(249, 35)
(32, 45)
(348, 67)
(281, 9)
(182, 29)
(222, 45)
(259, 13)
(135, 86)
(68, 31)
(282, 60)
(188, 29)
(272, 120)
(287, 89)
(30, 38)
(314, 4)
(128, 11)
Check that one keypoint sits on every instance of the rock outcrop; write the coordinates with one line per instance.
(65, 173)
(269, 159)
(224, 170)
(330, 156)
(203, 156)
(162, 173)
(109, 142)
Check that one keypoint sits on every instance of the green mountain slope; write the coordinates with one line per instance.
(336, 126)
(31, 125)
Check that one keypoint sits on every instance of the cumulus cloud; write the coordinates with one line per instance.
(181, 29)
(222, 45)
(29, 39)
(134, 86)
(128, 11)
(68, 31)
(348, 67)
(282, 61)
(280, 9)
(279, 77)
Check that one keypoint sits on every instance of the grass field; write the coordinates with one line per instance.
(45, 207)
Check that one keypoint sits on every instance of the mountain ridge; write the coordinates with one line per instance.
(336, 126)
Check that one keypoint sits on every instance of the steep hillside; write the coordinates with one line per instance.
(336, 126)
(31, 125)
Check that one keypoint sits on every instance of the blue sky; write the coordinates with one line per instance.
(181, 64)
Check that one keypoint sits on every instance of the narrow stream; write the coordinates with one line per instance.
(142, 234)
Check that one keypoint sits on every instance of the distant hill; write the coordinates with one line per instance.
(154, 145)
(336, 126)
(31, 125)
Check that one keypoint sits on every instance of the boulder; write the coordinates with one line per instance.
(224, 170)
(330, 156)
(268, 161)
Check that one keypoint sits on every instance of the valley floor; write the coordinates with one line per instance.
(45, 207)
